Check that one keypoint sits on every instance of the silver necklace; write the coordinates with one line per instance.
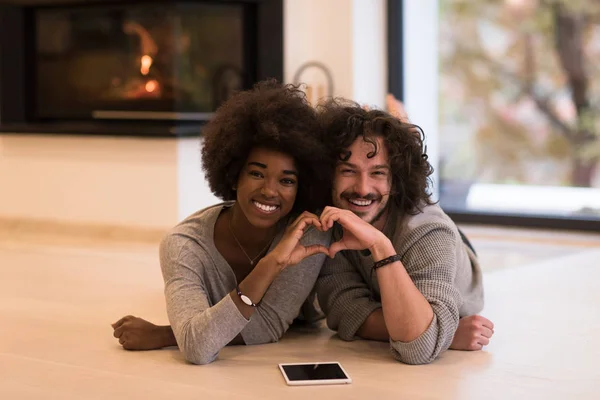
(251, 260)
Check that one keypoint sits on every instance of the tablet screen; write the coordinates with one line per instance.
(310, 372)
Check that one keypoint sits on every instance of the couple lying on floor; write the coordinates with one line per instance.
(332, 200)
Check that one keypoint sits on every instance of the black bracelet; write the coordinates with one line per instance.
(386, 261)
(245, 299)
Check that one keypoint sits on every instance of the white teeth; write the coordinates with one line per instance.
(362, 203)
(265, 207)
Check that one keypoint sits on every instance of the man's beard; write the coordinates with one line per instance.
(379, 214)
(370, 196)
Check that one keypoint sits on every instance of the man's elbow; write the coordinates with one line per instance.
(424, 349)
(346, 336)
(414, 358)
(334, 324)
(344, 331)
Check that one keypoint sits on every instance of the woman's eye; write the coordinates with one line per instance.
(347, 171)
(256, 174)
(288, 181)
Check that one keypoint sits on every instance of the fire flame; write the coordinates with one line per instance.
(146, 63)
(151, 86)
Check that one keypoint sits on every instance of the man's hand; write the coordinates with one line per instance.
(138, 334)
(358, 234)
(473, 333)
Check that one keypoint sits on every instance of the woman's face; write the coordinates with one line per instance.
(267, 186)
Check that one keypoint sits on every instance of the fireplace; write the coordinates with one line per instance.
(131, 67)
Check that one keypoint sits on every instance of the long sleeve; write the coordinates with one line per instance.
(431, 262)
(282, 301)
(344, 296)
(201, 329)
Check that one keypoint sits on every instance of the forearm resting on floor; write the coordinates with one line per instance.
(374, 327)
(168, 338)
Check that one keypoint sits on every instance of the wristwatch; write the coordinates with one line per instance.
(245, 299)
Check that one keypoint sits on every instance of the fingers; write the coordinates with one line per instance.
(475, 347)
(337, 215)
(118, 323)
(121, 321)
(305, 215)
(486, 322)
(300, 228)
(315, 249)
(486, 332)
(483, 341)
(472, 334)
(294, 233)
(330, 215)
(306, 219)
(478, 320)
(123, 339)
(336, 248)
(119, 331)
(482, 325)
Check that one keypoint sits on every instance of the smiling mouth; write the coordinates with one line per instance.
(360, 202)
(266, 208)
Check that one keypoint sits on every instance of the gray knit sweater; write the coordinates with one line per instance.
(198, 280)
(442, 267)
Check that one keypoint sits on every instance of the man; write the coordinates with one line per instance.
(400, 269)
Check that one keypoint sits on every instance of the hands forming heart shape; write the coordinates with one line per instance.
(357, 235)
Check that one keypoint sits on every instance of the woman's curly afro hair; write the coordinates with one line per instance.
(343, 121)
(273, 116)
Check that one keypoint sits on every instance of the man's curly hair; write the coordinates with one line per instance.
(273, 116)
(343, 121)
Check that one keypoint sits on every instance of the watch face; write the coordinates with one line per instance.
(246, 299)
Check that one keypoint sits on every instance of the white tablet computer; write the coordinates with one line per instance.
(322, 373)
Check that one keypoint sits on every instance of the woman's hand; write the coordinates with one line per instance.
(289, 251)
(138, 334)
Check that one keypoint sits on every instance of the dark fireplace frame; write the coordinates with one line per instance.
(17, 91)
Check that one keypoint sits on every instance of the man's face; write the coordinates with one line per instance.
(361, 184)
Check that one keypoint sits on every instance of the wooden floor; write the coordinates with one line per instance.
(58, 296)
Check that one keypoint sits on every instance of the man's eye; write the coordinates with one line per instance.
(347, 171)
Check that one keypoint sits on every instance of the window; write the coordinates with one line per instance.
(518, 104)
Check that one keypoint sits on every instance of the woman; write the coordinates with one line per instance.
(238, 272)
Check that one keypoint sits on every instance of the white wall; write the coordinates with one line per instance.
(193, 192)
(105, 181)
(145, 183)
(348, 36)
(317, 30)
